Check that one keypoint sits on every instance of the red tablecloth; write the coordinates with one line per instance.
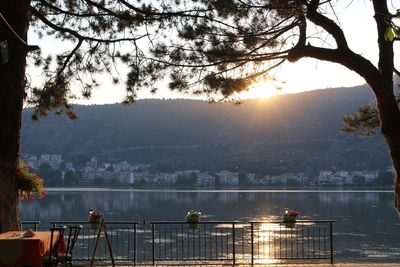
(16, 250)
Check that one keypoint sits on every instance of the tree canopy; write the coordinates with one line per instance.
(216, 48)
(96, 36)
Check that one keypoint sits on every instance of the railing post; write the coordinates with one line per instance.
(134, 244)
(252, 243)
(153, 243)
(331, 229)
(233, 244)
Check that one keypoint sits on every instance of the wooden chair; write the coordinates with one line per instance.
(73, 234)
(53, 258)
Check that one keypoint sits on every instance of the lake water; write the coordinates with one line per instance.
(367, 227)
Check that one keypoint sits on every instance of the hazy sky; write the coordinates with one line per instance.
(356, 18)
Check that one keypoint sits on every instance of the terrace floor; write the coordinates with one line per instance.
(280, 265)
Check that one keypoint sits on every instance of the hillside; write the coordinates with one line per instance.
(283, 133)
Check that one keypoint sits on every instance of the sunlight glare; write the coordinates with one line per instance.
(261, 90)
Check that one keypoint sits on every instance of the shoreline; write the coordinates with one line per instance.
(226, 190)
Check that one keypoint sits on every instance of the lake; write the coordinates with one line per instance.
(367, 227)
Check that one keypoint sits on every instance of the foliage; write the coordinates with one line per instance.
(71, 178)
(243, 180)
(365, 121)
(385, 178)
(96, 37)
(289, 217)
(187, 180)
(359, 180)
(50, 175)
(99, 180)
(193, 216)
(29, 183)
(392, 32)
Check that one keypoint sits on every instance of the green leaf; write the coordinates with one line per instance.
(389, 34)
(396, 30)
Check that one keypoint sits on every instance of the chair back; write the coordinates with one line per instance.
(55, 242)
(73, 234)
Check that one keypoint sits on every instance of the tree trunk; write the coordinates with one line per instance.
(390, 126)
(12, 89)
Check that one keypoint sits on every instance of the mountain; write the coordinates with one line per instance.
(295, 132)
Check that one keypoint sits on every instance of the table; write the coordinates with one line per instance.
(18, 250)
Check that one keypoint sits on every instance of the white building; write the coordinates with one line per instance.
(31, 160)
(278, 179)
(228, 178)
(204, 179)
(166, 178)
(69, 166)
(55, 161)
(92, 163)
(121, 166)
(251, 177)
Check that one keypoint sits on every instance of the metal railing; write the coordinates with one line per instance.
(122, 236)
(304, 240)
(34, 225)
(195, 242)
(222, 242)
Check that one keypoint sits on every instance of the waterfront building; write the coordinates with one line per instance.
(228, 178)
(204, 179)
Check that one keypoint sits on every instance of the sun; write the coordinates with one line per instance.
(261, 90)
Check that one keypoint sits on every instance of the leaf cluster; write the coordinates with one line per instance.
(95, 37)
(392, 32)
(221, 47)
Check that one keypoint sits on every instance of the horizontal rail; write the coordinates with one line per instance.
(200, 222)
(299, 221)
(35, 224)
(87, 222)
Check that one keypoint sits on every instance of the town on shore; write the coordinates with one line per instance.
(58, 172)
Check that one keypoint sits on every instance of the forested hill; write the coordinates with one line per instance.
(282, 133)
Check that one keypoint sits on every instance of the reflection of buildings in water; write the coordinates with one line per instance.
(204, 196)
(249, 196)
(228, 197)
(185, 197)
(371, 197)
(327, 197)
(166, 196)
(348, 197)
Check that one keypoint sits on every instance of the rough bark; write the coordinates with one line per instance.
(12, 87)
(390, 126)
(389, 112)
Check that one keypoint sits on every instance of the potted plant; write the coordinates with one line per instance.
(29, 183)
(289, 218)
(193, 218)
(94, 219)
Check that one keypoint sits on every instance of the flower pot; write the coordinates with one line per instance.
(289, 221)
(193, 218)
(94, 222)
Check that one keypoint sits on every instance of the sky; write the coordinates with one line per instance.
(356, 18)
